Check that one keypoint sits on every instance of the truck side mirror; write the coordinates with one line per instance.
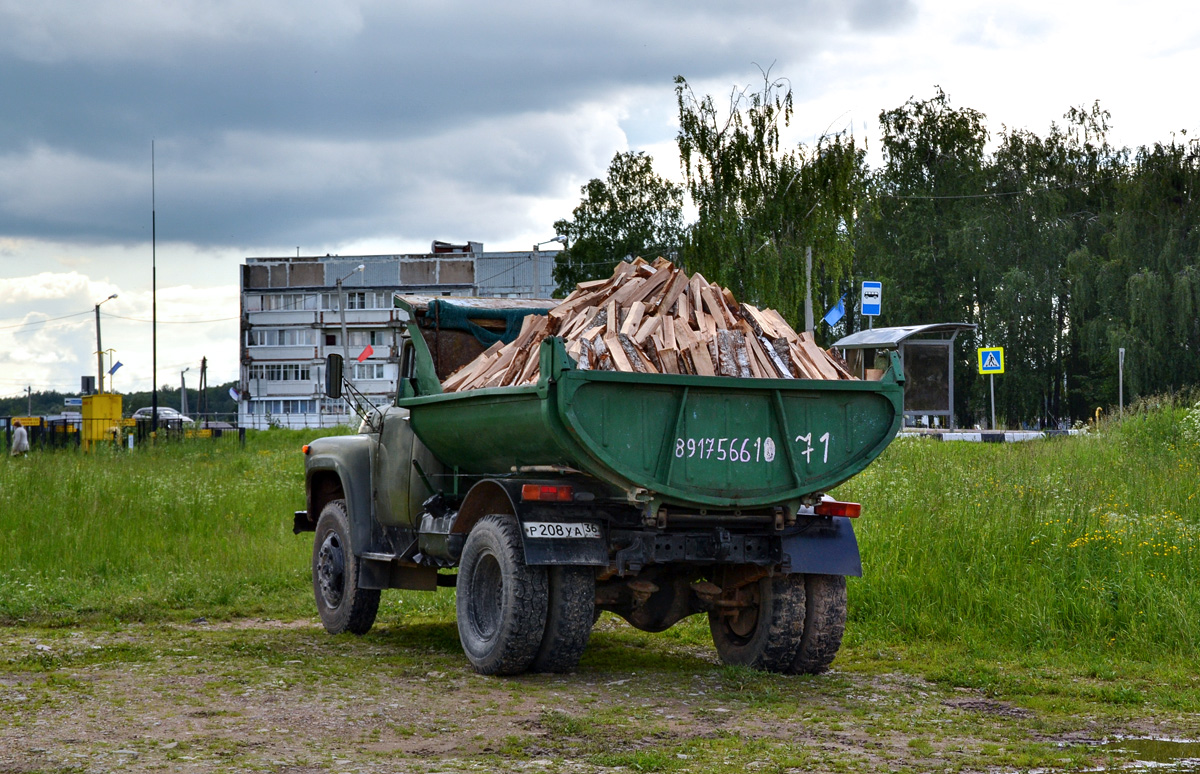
(333, 376)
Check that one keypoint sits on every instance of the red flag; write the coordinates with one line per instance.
(366, 353)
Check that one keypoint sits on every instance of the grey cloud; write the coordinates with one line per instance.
(315, 120)
(875, 15)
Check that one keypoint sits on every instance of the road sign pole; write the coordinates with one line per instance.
(992, 379)
(1121, 378)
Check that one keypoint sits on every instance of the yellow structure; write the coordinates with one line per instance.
(101, 419)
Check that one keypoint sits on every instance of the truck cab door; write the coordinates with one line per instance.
(393, 473)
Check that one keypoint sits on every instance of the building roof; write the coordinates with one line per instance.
(890, 338)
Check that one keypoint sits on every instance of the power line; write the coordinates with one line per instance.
(43, 322)
(169, 322)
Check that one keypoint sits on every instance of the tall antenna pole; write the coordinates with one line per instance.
(153, 299)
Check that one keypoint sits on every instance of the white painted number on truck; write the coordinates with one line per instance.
(808, 450)
(746, 449)
(727, 449)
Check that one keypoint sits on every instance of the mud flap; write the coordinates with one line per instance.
(824, 549)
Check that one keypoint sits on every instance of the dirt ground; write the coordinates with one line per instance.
(267, 696)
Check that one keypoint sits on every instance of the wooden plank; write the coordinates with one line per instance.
(638, 359)
(628, 289)
(667, 332)
(817, 356)
(603, 360)
(533, 365)
(678, 285)
(781, 326)
(762, 326)
(759, 364)
(714, 308)
(634, 319)
(617, 353)
(800, 365)
(726, 313)
(696, 299)
(842, 367)
(702, 359)
(584, 361)
(612, 321)
(648, 327)
(780, 363)
(726, 358)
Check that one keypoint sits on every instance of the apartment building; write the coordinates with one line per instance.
(292, 315)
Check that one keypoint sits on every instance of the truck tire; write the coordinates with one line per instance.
(766, 634)
(501, 601)
(569, 618)
(344, 607)
(824, 623)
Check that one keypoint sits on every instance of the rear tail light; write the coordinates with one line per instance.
(304, 448)
(835, 508)
(543, 493)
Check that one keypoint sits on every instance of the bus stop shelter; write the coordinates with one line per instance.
(927, 357)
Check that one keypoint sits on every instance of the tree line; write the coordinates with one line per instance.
(1060, 247)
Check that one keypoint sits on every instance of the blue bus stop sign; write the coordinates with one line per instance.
(870, 302)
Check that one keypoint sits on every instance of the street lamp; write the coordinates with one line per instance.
(342, 304)
(183, 391)
(100, 349)
(560, 239)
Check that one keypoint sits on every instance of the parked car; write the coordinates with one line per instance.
(165, 414)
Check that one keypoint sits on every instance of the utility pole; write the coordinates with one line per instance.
(183, 391)
(29, 395)
(100, 348)
(808, 310)
(342, 304)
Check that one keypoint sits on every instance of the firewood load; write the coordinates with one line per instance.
(653, 318)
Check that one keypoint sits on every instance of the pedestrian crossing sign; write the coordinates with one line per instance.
(991, 360)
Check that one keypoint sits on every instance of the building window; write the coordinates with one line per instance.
(290, 406)
(358, 299)
(331, 339)
(333, 406)
(363, 338)
(281, 337)
(283, 302)
(281, 372)
(370, 371)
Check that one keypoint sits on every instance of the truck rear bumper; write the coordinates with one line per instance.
(820, 546)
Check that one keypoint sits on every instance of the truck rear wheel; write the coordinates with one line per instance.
(501, 601)
(344, 607)
(824, 623)
(569, 618)
(765, 633)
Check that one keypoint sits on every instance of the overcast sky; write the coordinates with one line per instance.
(377, 127)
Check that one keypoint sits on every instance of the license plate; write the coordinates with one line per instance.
(554, 529)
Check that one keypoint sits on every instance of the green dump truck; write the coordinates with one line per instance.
(654, 497)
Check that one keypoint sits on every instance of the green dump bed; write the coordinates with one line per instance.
(701, 442)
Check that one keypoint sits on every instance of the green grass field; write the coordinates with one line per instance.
(1019, 603)
(1085, 544)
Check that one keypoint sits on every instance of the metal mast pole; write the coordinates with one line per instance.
(153, 300)
(99, 355)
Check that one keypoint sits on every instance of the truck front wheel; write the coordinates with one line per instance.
(501, 601)
(343, 606)
(766, 630)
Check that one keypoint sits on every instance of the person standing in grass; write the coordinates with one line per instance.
(20, 441)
